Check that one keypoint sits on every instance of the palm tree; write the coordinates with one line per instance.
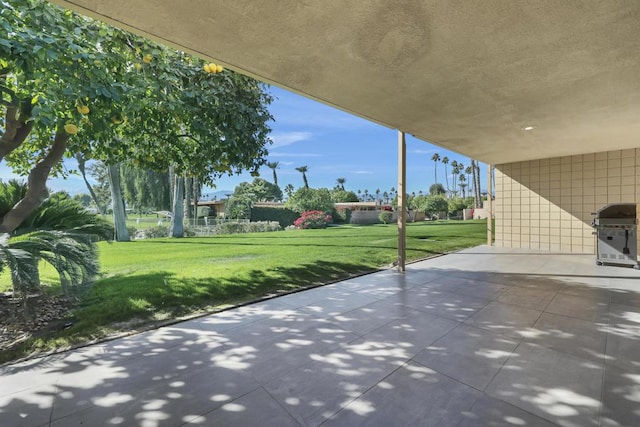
(454, 175)
(385, 196)
(377, 194)
(462, 184)
(60, 232)
(341, 182)
(273, 166)
(359, 194)
(445, 162)
(303, 170)
(476, 183)
(468, 170)
(366, 195)
(288, 190)
(436, 159)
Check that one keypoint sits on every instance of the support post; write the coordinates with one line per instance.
(402, 201)
(489, 205)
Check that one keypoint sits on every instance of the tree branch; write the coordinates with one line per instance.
(16, 128)
(37, 185)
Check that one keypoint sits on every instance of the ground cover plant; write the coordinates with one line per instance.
(153, 280)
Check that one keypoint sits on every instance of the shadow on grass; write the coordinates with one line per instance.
(122, 301)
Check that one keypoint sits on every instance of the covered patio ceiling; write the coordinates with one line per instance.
(468, 76)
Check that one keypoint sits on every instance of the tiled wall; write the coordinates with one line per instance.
(547, 204)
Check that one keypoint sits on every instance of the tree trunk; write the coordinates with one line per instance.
(476, 184)
(177, 219)
(81, 167)
(119, 219)
(172, 184)
(188, 182)
(37, 185)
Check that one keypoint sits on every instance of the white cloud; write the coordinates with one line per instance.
(422, 151)
(363, 172)
(281, 139)
(273, 154)
(283, 163)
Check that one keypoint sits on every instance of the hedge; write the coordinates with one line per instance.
(284, 216)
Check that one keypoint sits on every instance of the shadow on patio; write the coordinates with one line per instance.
(457, 340)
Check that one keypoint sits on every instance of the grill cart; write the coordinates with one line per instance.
(616, 229)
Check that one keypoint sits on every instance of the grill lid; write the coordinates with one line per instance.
(617, 211)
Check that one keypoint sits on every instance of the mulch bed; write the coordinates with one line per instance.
(46, 314)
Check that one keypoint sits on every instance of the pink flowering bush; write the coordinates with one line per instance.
(313, 219)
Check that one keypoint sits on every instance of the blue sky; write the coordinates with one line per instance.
(332, 144)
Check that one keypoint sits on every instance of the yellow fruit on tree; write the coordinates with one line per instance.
(137, 65)
(206, 68)
(213, 67)
(71, 129)
(219, 68)
(147, 58)
(83, 109)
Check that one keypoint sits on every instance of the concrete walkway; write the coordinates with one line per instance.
(478, 338)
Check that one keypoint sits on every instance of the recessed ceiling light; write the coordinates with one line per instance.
(528, 128)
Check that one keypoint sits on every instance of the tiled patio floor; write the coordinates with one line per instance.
(482, 337)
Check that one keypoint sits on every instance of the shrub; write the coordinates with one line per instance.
(308, 199)
(284, 216)
(313, 219)
(341, 216)
(246, 227)
(385, 217)
(152, 232)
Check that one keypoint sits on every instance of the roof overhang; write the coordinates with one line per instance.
(468, 76)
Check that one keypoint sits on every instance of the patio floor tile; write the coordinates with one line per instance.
(257, 409)
(556, 386)
(578, 337)
(480, 337)
(586, 308)
(470, 355)
(490, 412)
(504, 319)
(391, 402)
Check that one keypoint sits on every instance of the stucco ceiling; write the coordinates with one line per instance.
(466, 75)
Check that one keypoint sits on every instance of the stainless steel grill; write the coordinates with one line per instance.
(616, 228)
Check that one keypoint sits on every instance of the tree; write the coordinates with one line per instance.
(436, 189)
(476, 183)
(454, 175)
(117, 204)
(462, 184)
(239, 207)
(340, 182)
(310, 199)
(377, 194)
(60, 231)
(436, 159)
(273, 166)
(288, 190)
(83, 199)
(146, 189)
(434, 205)
(71, 85)
(102, 192)
(303, 170)
(445, 162)
(260, 190)
(94, 197)
(343, 196)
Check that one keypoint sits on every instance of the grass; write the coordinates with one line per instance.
(151, 280)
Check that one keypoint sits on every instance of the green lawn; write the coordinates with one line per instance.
(149, 280)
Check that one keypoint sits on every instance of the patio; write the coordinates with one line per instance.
(481, 337)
